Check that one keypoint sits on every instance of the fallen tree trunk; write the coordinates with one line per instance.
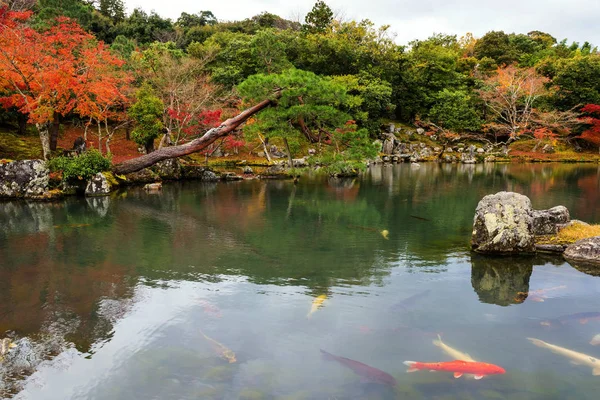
(195, 145)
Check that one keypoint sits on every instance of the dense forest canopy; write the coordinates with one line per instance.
(167, 82)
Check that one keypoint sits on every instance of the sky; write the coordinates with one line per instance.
(576, 20)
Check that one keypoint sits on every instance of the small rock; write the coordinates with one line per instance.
(312, 152)
(145, 175)
(300, 162)
(101, 184)
(584, 250)
(490, 159)
(545, 222)
(385, 158)
(549, 149)
(437, 149)
(261, 154)
(480, 150)
(247, 170)
(420, 131)
(448, 150)
(230, 176)
(153, 186)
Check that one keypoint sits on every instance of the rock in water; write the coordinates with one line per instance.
(101, 184)
(26, 178)
(584, 250)
(545, 222)
(503, 224)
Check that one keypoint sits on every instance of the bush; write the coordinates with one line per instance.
(81, 167)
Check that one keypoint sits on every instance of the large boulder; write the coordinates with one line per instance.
(101, 184)
(26, 178)
(585, 251)
(503, 224)
(546, 222)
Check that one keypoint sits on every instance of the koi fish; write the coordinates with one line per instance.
(385, 233)
(6, 345)
(537, 295)
(575, 357)
(595, 340)
(459, 367)
(222, 350)
(409, 302)
(316, 304)
(363, 370)
(455, 354)
(582, 318)
(210, 308)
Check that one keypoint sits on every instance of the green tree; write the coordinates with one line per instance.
(319, 18)
(113, 9)
(429, 68)
(78, 10)
(495, 45)
(146, 28)
(202, 18)
(370, 99)
(147, 112)
(455, 110)
(311, 108)
(577, 81)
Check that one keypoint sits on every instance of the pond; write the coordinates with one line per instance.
(254, 289)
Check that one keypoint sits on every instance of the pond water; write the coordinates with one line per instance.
(230, 290)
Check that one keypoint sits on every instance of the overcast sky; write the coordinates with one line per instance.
(576, 20)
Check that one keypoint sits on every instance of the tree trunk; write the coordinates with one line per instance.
(45, 139)
(127, 133)
(287, 148)
(54, 128)
(149, 146)
(22, 121)
(195, 145)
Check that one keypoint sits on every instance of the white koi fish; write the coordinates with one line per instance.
(453, 353)
(575, 357)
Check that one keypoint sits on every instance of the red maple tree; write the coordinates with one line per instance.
(591, 118)
(56, 72)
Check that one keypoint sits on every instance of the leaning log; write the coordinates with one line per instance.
(195, 145)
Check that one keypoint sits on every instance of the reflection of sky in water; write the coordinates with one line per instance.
(138, 276)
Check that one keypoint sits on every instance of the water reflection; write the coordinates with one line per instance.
(501, 281)
(121, 280)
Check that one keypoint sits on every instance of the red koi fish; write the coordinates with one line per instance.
(478, 369)
(363, 370)
(582, 318)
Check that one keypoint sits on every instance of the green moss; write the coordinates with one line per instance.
(110, 178)
(13, 147)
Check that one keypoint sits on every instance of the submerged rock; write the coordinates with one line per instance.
(584, 250)
(547, 222)
(153, 187)
(26, 178)
(503, 224)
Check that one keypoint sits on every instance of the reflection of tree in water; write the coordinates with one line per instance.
(501, 280)
(586, 268)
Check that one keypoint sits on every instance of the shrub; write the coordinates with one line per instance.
(81, 167)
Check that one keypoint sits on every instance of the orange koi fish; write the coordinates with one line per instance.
(478, 369)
